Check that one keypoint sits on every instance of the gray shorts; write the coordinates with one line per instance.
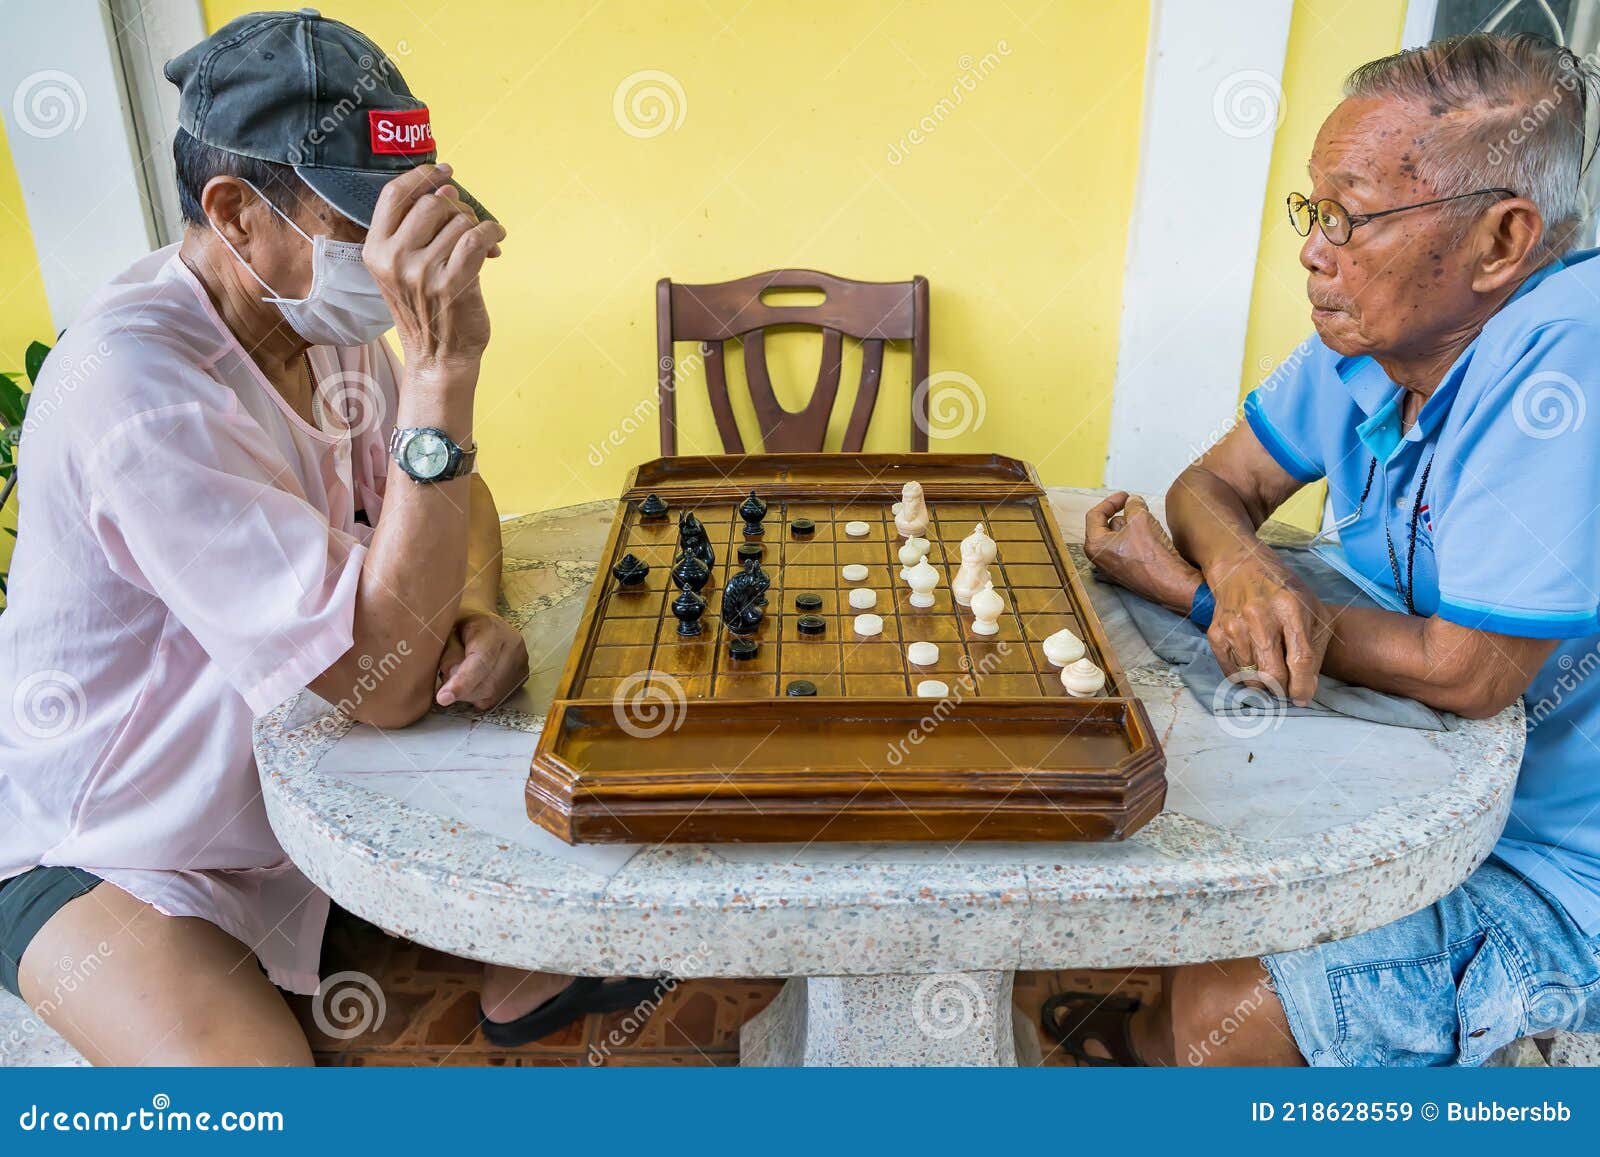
(26, 904)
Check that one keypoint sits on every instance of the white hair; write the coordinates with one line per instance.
(1512, 113)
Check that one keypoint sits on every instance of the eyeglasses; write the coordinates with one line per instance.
(1337, 222)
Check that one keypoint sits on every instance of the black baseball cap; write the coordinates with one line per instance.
(301, 90)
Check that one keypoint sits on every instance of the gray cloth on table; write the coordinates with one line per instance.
(1183, 644)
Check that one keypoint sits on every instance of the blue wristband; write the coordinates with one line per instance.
(1203, 607)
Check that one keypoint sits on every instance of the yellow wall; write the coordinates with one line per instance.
(24, 312)
(1327, 38)
(1015, 206)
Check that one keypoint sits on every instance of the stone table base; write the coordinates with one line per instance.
(952, 1018)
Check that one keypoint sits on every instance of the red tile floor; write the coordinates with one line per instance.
(430, 1004)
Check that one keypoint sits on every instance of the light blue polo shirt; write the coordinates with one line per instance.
(1508, 538)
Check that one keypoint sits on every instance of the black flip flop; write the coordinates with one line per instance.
(1073, 1019)
(584, 995)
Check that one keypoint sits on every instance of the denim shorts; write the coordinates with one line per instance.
(1496, 960)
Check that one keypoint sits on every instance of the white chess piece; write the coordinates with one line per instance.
(987, 606)
(973, 574)
(1063, 648)
(911, 520)
(922, 578)
(979, 540)
(1083, 678)
(914, 550)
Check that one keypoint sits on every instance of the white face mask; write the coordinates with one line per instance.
(344, 307)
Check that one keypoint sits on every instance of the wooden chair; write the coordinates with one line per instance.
(873, 312)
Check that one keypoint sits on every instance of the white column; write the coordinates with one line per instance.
(1213, 99)
(71, 126)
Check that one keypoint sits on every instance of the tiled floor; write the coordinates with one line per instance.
(430, 1006)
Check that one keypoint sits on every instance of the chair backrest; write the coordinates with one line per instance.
(872, 312)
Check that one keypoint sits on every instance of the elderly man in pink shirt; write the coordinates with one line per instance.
(235, 492)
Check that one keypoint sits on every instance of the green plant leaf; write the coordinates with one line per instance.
(13, 404)
(33, 360)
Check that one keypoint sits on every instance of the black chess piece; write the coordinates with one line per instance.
(687, 608)
(744, 602)
(752, 567)
(750, 550)
(692, 540)
(630, 570)
(687, 570)
(753, 510)
(654, 507)
(743, 650)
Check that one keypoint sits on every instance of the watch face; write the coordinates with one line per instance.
(427, 454)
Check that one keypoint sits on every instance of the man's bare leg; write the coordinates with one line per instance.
(1224, 1013)
(164, 990)
(511, 993)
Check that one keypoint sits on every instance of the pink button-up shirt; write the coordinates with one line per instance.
(187, 558)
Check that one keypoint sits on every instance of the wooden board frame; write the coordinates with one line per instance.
(843, 768)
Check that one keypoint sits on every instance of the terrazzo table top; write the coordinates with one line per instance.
(1312, 829)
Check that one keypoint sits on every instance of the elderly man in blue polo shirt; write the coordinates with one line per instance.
(1443, 399)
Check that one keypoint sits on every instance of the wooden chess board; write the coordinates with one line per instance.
(653, 737)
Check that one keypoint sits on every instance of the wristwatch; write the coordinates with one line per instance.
(428, 454)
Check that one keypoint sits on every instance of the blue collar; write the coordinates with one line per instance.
(1379, 398)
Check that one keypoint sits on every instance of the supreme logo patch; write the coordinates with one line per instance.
(404, 131)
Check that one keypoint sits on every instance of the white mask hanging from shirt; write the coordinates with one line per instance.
(344, 306)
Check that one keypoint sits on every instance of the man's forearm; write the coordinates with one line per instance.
(1210, 522)
(481, 593)
(415, 572)
(1384, 650)
(1450, 668)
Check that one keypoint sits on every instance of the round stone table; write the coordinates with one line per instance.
(1314, 829)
